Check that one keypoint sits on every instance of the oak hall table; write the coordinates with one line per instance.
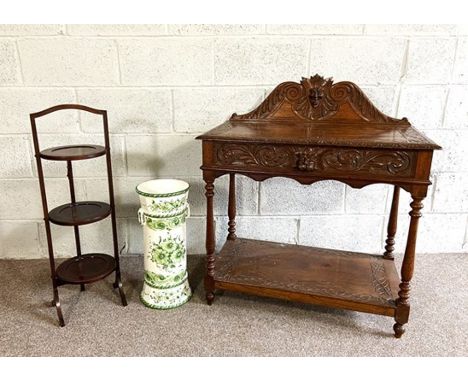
(311, 131)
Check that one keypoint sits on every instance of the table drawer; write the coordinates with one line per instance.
(311, 160)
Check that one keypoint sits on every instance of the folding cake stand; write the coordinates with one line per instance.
(83, 268)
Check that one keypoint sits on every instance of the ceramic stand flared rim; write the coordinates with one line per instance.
(144, 189)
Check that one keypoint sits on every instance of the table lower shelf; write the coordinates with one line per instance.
(341, 279)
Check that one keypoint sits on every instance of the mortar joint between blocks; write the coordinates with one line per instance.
(119, 65)
(20, 65)
(404, 65)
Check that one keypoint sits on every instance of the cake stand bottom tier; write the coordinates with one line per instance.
(85, 269)
(167, 298)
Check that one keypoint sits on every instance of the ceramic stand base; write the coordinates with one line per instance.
(167, 298)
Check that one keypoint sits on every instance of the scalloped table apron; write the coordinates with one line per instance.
(164, 209)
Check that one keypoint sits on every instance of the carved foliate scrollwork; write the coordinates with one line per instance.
(317, 98)
(379, 278)
(254, 155)
(393, 163)
(312, 159)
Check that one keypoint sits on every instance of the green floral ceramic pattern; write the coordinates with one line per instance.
(168, 206)
(165, 223)
(164, 282)
(163, 217)
(168, 252)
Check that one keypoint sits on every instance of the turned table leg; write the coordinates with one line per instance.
(210, 239)
(407, 268)
(232, 208)
(392, 225)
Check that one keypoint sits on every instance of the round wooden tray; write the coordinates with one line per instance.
(79, 213)
(86, 269)
(73, 152)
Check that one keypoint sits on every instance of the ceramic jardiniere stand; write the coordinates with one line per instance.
(163, 211)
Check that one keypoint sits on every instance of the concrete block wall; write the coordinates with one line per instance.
(164, 84)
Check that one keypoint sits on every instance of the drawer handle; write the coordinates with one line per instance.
(305, 163)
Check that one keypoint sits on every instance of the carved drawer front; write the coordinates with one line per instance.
(267, 157)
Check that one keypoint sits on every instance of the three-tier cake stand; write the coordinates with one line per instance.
(83, 268)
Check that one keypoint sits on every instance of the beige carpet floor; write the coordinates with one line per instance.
(236, 325)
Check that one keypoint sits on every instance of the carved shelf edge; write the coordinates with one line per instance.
(315, 159)
(316, 99)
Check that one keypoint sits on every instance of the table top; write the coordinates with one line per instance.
(322, 134)
(318, 112)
